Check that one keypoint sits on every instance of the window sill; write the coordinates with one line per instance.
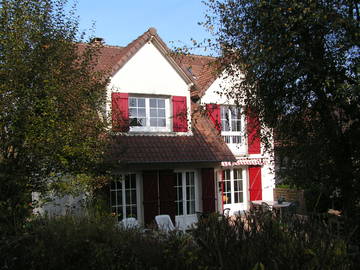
(154, 133)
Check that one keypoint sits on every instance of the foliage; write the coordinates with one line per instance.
(259, 240)
(256, 241)
(299, 63)
(93, 242)
(50, 99)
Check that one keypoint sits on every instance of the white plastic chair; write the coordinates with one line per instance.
(129, 223)
(226, 212)
(164, 223)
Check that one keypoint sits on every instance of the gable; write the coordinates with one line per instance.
(149, 72)
(219, 92)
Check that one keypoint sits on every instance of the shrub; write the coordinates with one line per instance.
(93, 242)
(255, 241)
(260, 240)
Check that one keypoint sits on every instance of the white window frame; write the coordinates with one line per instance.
(184, 198)
(147, 127)
(229, 136)
(233, 134)
(234, 206)
(120, 179)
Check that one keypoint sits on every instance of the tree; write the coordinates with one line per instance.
(50, 99)
(300, 74)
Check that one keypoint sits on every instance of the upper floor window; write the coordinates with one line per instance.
(149, 113)
(231, 124)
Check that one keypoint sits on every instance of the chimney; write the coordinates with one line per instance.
(97, 40)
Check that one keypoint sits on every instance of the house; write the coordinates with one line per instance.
(179, 146)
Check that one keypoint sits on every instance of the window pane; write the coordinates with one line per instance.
(153, 103)
(161, 112)
(161, 103)
(141, 102)
(153, 122)
(142, 113)
(153, 113)
(112, 185)
(179, 195)
(141, 122)
(238, 186)
(127, 197)
(132, 102)
(113, 198)
(226, 187)
(224, 114)
(190, 198)
(162, 123)
(132, 112)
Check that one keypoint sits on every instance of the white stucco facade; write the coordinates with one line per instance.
(216, 94)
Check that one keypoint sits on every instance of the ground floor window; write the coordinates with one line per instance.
(232, 186)
(123, 197)
(185, 193)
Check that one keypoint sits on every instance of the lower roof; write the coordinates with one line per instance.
(205, 145)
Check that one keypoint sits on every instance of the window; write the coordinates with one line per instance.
(123, 197)
(185, 193)
(149, 114)
(231, 124)
(232, 186)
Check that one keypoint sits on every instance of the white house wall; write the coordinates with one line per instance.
(215, 94)
(268, 182)
(148, 72)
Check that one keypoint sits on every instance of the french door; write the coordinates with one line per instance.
(186, 198)
(124, 197)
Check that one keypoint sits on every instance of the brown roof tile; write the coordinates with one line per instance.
(205, 145)
(203, 68)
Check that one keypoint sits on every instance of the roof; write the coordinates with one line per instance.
(204, 70)
(204, 145)
(198, 69)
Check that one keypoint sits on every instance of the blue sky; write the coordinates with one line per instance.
(121, 21)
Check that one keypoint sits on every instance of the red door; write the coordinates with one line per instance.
(255, 183)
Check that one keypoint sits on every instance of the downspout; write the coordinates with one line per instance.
(158, 191)
(222, 189)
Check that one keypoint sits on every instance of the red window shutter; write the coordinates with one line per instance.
(167, 194)
(253, 129)
(120, 111)
(208, 190)
(214, 114)
(180, 123)
(150, 193)
(255, 188)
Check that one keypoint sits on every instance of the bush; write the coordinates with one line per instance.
(256, 241)
(259, 241)
(93, 242)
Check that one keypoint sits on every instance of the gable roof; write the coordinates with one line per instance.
(201, 71)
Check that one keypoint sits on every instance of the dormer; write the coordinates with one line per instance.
(148, 91)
